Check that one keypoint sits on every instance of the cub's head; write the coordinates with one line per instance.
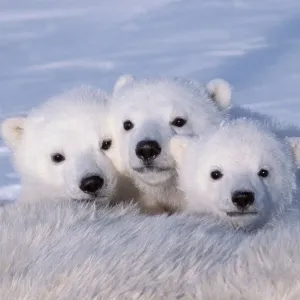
(241, 173)
(145, 114)
(57, 147)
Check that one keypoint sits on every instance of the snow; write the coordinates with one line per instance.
(49, 46)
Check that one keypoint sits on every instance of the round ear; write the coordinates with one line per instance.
(123, 81)
(295, 145)
(178, 145)
(219, 91)
(12, 130)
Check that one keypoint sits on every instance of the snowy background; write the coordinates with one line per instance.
(47, 46)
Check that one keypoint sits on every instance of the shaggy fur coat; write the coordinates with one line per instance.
(62, 250)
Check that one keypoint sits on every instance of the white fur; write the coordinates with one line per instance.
(239, 150)
(12, 131)
(284, 129)
(72, 124)
(122, 82)
(151, 105)
(55, 250)
(220, 91)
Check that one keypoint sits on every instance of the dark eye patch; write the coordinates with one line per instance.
(57, 158)
(179, 122)
(216, 175)
(106, 144)
(263, 173)
(128, 125)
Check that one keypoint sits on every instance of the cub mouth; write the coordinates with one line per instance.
(91, 199)
(151, 169)
(241, 213)
(84, 200)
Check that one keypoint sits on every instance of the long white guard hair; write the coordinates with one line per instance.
(61, 250)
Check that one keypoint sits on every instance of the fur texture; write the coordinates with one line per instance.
(242, 173)
(155, 110)
(221, 91)
(71, 126)
(61, 250)
(283, 129)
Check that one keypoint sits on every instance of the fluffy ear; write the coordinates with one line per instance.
(123, 81)
(295, 145)
(177, 146)
(220, 92)
(12, 130)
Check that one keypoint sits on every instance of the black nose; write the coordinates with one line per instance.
(147, 150)
(242, 199)
(92, 184)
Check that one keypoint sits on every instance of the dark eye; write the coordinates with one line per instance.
(106, 144)
(128, 125)
(178, 122)
(57, 158)
(215, 175)
(263, 173)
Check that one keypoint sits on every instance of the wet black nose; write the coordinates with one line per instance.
(147, 150)
(92, 184)
(243, 199)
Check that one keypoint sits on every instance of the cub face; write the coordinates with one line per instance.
(241, 173)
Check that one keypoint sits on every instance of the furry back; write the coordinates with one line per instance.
(61, 250)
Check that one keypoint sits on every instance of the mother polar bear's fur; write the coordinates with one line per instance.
(60, 250)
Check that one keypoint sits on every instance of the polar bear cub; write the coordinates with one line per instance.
(57, 148)
(144, 115)
(242, 173)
